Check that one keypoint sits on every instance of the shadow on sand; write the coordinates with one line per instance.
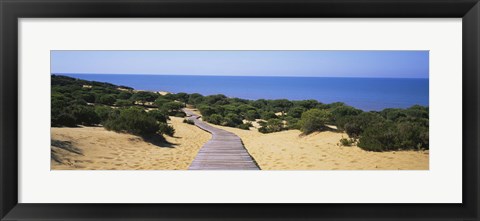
(159, 141)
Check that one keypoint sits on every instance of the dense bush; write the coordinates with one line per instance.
(124, 95)
(195, 99)
(232, 120)
(215, 119)
(144, 96)
(353, 129)
(159, 115)
(188, 121)
(166, 129)
(133, 120)
(314, 120)
(107, 99)
(412, 135)
(182, 97)
(159, 102)
(206, 110)
(347, 142)
(296, 112)
(293, 123)
(342, 115)
(267, 115)
(379, 137)
(123, 103)
(245, 126)
(251, 115)
(103, 112)
(270, 126)
(172, 108)
(281, 105)
(85, 115)
(63, 119)
(180, 114)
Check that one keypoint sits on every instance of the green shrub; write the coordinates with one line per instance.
(251, 115)
(245, 126)
(79, 102)
(195, 98)
(180, 114)
(341, 111)
(232, 120)
(346, 142)
(308, 104)
(296, 112)
(188, 121)
(393, 114)
(166, 129)
(272, 125)
(123, 103)
(144, 96)
(85, 115)
(281, 105)
(159, 102)
(107, 99)
(172, 108)
(124, 95)
(159, 115)
(133, 120)
(267, 115)
(262, 123)
(353, 129)
(314, 120)
(417, 111)
(182, 97)
(103, 112)
(63, 120)
(263, 130)
(379, 137)
(206, 110)
(412, 135)
(86, 96)
(292, 123)
(59, 101)
(215, 119)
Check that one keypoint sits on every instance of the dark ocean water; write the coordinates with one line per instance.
(363, 93)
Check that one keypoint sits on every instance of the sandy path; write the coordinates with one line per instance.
(107, 150)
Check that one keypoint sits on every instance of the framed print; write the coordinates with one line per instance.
(239, 110)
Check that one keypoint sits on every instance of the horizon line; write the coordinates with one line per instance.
(238, 75)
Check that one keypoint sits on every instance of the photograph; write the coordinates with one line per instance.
(239, 110)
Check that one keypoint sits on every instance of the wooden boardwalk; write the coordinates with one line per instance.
(224, 151)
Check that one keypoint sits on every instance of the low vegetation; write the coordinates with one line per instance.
(119, 108)
(188, 121)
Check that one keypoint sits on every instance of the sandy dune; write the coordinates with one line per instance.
(287, 150)
(107, 150)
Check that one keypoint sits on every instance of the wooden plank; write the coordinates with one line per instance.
(224, 151)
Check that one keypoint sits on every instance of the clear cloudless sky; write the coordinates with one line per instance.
(370, 64)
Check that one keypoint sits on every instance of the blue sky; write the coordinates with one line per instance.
(372, 64)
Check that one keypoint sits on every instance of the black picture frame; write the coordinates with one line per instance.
(12, 10)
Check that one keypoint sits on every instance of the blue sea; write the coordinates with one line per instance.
(363, 93)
